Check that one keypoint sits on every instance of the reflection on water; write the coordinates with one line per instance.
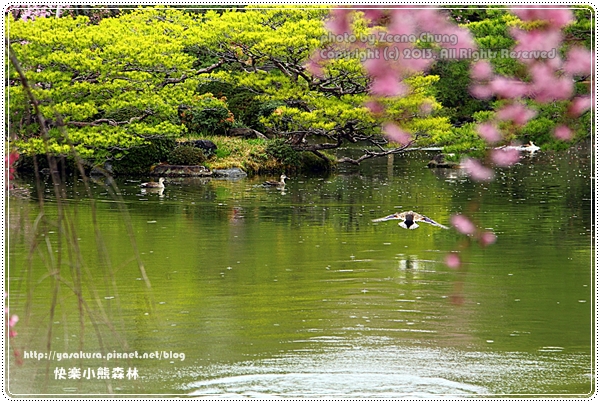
(298, 294)
(379, 368)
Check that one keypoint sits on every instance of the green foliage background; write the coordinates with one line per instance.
(110, 87)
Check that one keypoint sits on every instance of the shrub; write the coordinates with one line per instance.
(208, 115)
(283, 152)
(186, 155)
(241, 102)
(140, 159)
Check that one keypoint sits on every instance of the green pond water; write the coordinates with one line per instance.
(265, 293)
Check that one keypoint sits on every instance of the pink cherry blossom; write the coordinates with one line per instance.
(374, 107)
(372, 14)
(547, 86)
(558, 16)
(579, 61)
(477, 171)
(508, 87)
(402, 22)
(314, 66)
(414, 64)
(487, 238)
(541, 40)
(481, 70)
(516, 112)
(394, 133)
(562, 132)
(377, 67)
(580, 105)
(463, 224)
(426, 108)
(13, 320)
(489, 132)
(388, 86)
(9, 162)
(505, 157)
(452, 260)
(481, 91)
(340, 21)
(464, 39)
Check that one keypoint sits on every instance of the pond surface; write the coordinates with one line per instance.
(264, 293)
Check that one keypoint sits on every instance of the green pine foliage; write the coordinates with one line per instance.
(111, 87)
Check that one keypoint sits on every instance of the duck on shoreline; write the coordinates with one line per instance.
(154, 185)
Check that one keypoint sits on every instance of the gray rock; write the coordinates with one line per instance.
(246, 133)
(231, 173)
(107, 169)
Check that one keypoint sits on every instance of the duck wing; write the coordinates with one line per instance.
(422, 218)
(395, 216)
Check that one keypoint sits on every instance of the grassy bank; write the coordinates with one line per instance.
(262, 156)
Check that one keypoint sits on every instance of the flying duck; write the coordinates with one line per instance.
(155, 185)
(282, 179)
(408, 220)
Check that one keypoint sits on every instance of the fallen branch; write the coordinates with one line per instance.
(372, 154)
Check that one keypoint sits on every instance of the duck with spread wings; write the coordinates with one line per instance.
(408, 220)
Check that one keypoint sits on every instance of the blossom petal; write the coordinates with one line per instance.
(482, 70)
(489, 132)
(463, 224)
(487, 238)
(452, 260)
(394, 133)
(505, 157)
(516, 112)
(562, 132)
(477, 171)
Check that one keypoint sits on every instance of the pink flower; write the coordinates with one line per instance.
(394, 133)
(545, 40)
(481, 91)
(579, 61)
(402, 22)
(452, 260)
(464, 39)
(481, 71)
(426, 108)
(477, 171)
(516, 112)
(314, 66)
(547, 86)
(414, 64)
(340, 21)
(505, 157)
(13, 320)
(372, 14)
(9, 161)
(463, 224)
(508, 87)
(489, 132)
(580, 105)
(487, 238)
(377, 66)
(388, 86)
(562, 132)
(558, 16)
(374, 107)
